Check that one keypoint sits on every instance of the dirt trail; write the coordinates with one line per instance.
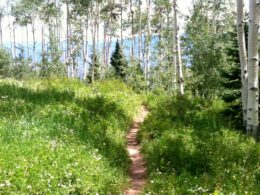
(137, 168)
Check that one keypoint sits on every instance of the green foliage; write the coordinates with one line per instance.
(5, 62)
(231, 81)
(94, 69)
(49, 68)
(21, 68)
(118, 62)
(59, 137)
(204, 46)
(190, 150)
(135, 76)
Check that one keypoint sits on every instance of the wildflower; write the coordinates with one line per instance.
(29, 187)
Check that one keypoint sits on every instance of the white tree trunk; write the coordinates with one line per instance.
(97, 26)
(148, 40)
(68, 53)
(104, 46)
(121, 23)
(34, 43)
(27, 41)
(178, 50)
(242, 56)
(14, 40)
(132, 28)
(252, 106)
(1, 30)
(10, 37)
(85, 50)
(140, 32)
(174, 65)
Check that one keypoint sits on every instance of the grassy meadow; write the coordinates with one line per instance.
(58, 136)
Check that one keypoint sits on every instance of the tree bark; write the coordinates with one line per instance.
(132, 28)
(14, 39)
(174, 64)
(178, 50)
(43, 43)
(85, 53)
(97, 24)
(34, 42)
(1, 30)
(148, 42)
(104, 45)
(93, 30)
(242, 56)
(27, 41)
(253, 60)
(121, 23)
(68, 57)
(10, 37)
(140, 32)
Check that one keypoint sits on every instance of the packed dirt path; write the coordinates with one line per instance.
(137, 170)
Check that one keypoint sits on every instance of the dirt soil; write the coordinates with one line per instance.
(137, 169)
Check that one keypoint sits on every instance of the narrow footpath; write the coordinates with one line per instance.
(137, 170)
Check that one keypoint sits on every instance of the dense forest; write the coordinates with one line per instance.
(129, 97)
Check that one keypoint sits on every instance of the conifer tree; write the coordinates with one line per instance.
(118, 61)
(231, 82)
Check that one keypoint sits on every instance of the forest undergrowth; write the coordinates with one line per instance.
(190, 149)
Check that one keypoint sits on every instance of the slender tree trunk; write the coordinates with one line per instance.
(68, 57)
(242, 55)
(11, 38)
(132, 28)
(93, 29)
(253, 83)
(27, 41)
(1, 31)
(160, 51)
(43, 43)
(121, 23)
(148, 40)
(109, 47)
(174, 64)
(14, 39)
(178, 50)
(86, 50)
(34, 42)
(104, 45)
(97, 24)
(140, 32)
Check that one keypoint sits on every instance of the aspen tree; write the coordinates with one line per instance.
(242, 55)
(253, 60)
(178, 50)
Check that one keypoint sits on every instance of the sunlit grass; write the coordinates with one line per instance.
(59, 137)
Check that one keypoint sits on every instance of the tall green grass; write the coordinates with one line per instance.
(58, 136)
(189, 149)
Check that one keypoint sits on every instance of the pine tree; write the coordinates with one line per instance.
(232, 81)
(118, 62)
